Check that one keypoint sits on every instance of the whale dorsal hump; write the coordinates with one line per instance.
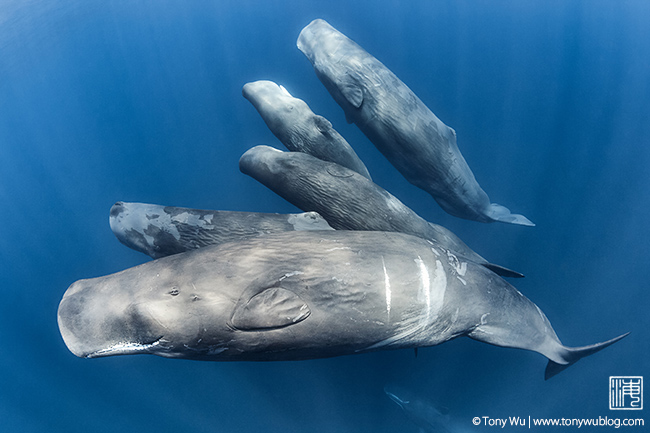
(351, 91)
(272, 308)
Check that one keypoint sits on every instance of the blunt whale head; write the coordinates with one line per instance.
(147, 228)
(326, 48)
(274, 103)
(263, 161)
(93, 326)
(113, 315)
(319, 38)
(300, 129)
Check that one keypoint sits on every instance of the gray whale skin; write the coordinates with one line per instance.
(303, 295)
(398, 123)
(160, 231)
(347, 200)
(298, 128)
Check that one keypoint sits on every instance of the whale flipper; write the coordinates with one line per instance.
(573, 354)
(502, 214)
(351, 91)
(272, 308)
(503, 271)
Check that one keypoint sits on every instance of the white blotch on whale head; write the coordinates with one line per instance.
(308, 221)
(130, 219)
(125, 349)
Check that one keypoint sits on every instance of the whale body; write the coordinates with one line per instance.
(291, 120)
(424, 414)
(398, 123)
(160, 231)
(345, 199)
(304, 295)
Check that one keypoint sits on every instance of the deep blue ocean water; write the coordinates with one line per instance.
(141, 101)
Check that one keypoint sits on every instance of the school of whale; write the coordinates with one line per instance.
(357, 271)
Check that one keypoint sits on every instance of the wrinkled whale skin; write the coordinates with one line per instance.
(160, 231)
(345, 199)
(303, 295)
(398, 123)
(291, 120)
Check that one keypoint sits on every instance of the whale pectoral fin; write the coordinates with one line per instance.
(351, 91)
(502, 214)
(502, 271)
(272, 308)
(324, 126)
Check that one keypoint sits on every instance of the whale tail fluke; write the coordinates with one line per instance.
(502, 214)
(572, 354)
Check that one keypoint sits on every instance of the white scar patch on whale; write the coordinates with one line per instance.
(124, 348)
(460, 268)
(389, 294)
(194, 220)
(154, 216)
(308, 221)
(290, 274)
(425, 286)
(431, 293)
(338, 248)
(432, 290)
(438, 289)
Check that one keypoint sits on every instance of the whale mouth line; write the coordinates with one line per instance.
(125, 349)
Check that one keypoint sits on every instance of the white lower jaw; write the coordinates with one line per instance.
(125, 349)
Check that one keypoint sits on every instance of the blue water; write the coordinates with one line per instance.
(141, 101)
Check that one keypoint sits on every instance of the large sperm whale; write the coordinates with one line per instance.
(304, 295)
(291, 120)
(398, 123)
(160, 231)
(345, 199)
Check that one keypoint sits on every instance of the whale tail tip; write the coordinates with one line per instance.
(502, 214)
(573, 354)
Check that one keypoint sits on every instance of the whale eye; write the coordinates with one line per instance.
(174, 291)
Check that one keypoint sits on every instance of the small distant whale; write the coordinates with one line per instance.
(420, 412)
(345, 199)
(304, 295)
(298, 128)
(160, 231)
(398, 123)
